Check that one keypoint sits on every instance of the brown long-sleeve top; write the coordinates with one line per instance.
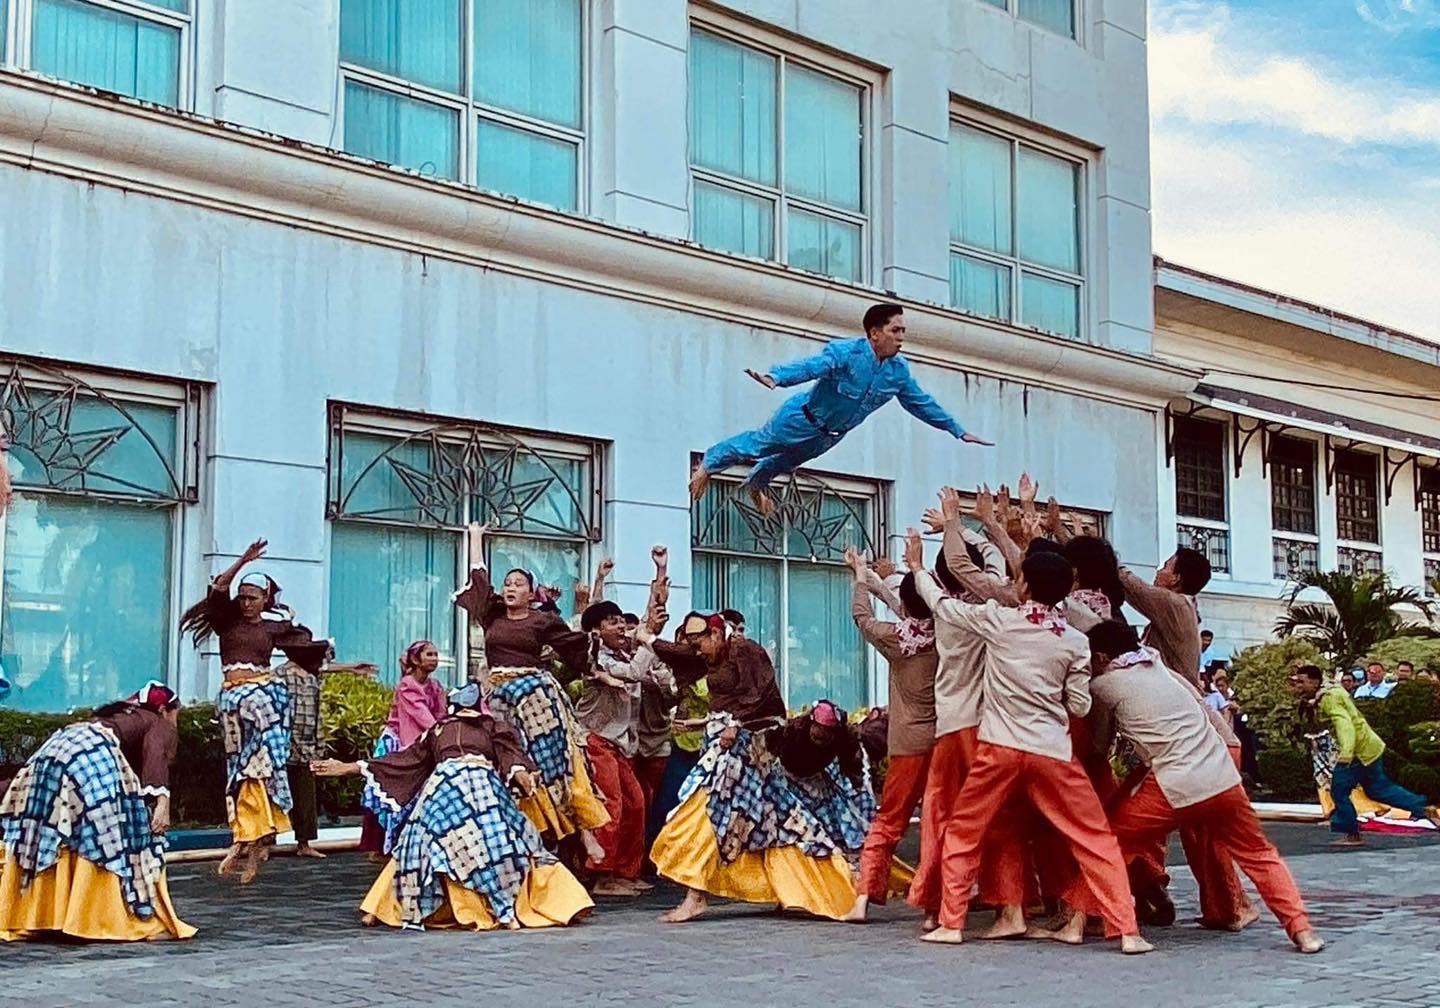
(519, 643)
(912, 680)
(742, 682)
(149, 742)
(399, 776)
(252, 642)
(1174, 628)
(802, 756)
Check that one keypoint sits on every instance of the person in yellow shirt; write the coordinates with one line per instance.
(1358, 762)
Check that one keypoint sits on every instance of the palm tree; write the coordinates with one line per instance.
(1360, 613)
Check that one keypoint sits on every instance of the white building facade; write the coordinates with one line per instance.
(1311, 443)
(350, 274)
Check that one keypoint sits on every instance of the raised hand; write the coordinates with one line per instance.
(604, 570)
(950, 503)
(933, 520)
(914, 551)
(884, 567)
(972, 439)
(1052, 516)
(1002, 504)
(763, 379)
(661, 556)
(582, 595)
(854, 560)
(985, 505)
(255, 551)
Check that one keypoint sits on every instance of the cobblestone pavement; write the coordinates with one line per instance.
(292, 940)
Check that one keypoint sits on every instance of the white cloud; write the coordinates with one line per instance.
(1276, 170)
(1397, 16)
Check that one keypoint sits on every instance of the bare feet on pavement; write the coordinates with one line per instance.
(1135, 945)
(1009, 923)
(694, 905)
(1309, 942)
(858, 911)
(944, 936)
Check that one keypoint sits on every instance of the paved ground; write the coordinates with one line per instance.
(292, 939)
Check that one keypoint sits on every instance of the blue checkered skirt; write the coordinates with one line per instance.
(465, 826)
(533, 703)
(842, 809)
(390, 820)
(78, 791)
(255, 727)
(751, 801)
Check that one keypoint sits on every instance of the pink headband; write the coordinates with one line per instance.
(412, 653)
(825, 713)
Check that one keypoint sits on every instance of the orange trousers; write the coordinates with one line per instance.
(1062, 793)
(1229, 824)
(905, 782)
(623, 837)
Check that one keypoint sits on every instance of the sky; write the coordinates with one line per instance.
(1295, 146)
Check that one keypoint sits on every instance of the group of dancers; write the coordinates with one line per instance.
(1013, 682)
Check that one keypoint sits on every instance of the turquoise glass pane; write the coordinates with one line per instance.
(551, 563)
(389, 587)
(823, 245)
(86, 606)
(825, 524)
(520, 163)
(386, 478)
(748, 585)
(826, 657)
(725, 519)
(732, 108)
(822, 138)
(106, 49)
(1057, 15)
(402, 131)
(527, 57)
(527, 493)
(980, 203)
(4, 26)
(1049, 218)
(980, 287)
(1051, 306)
(734, 221)
(418, 40)
(88, 444)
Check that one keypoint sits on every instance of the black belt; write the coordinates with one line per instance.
(805, 409)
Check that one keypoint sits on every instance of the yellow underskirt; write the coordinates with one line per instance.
(586, 811)
(686, 852)
(550, 897)
(79, 898)
(901, 875)
(1363, 805)
(256, 816)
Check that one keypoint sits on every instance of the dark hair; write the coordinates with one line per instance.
(1207, 632)
(915, 606)
(1113, 638)
(1096, 568)
(976, 557)
(1038, 546)
(1402, 661)
(1193, 569)
(947, 577)
(879, 316)
(196, 620)
(597, 613)
(630, 619)
(731, 615)
(1311, 672)
(529, 578)
(1049, 576)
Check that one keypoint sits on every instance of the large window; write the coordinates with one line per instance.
(1015, 232)
(786, 575)
(1357, 497)
(777, 158)
(1198, 448)
(1056, 15)
(1295, 546)
(100, 468)
(488, 91)
(1430, 526)
(131, 47)
(402, 492)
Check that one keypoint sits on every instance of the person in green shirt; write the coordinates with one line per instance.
(1358, 760)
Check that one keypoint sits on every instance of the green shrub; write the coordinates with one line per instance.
(353, 710)
(1425, 742)
(1286, 774)
(1422, 779)
(1418, 651)
(1260, 676)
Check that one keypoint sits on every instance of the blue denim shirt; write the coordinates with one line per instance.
(851, 383)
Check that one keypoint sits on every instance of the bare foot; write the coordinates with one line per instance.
(944, 936)
(640, 885)
(609, 885)
(375, 857)
(1309, 942)
(1072, 932)
(514, 925)
(858, 911)
(1247, 917)
(257, 857)
(1009, 923)
(930, 923)
(305, 850)
(1134, 945)
(227, 864)
(593, 850)
(699, 480)
(764, 503)
(694, 905)
(368, 920)
(1352, 840)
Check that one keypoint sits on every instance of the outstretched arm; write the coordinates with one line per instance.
(253, 552)
(922, 405)
(802, 371)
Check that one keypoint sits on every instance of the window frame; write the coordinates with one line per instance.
(187, 398)
(786, 50)
(372, 421)
(1018, 139)
(19, 37)
(1077, 11)
(877, 496)
(1338, 470)
(470, 110)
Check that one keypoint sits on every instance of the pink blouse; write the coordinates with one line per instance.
(417, 706)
